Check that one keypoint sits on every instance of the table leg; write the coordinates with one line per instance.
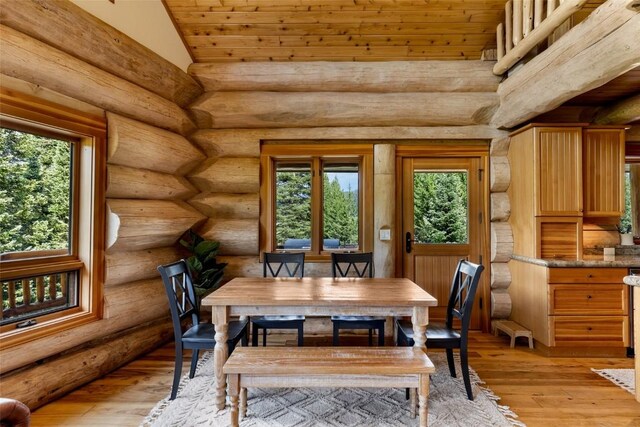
(243, 402)
(220, 317)
(423, 395)
(636, 336)
(234, 389)
(420, 319)
(412, 402)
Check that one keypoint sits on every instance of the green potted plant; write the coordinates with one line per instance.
(624, 228)
(206, 272)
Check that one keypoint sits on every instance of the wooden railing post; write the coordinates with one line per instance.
(40, 288)
(551, 6)
(523, 24)
(63, 284)
(517, 21)
(52, 286)
(527, 17)
(12, 294)
(26, 292)
(500, 41)
(538, 9)
(508, 21)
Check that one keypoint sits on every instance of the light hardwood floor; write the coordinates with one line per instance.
(542, 391)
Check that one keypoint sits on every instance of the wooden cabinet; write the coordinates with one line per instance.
(580, 310)
(603, 166)
(588, 307)
(558, 237)
(560, 174)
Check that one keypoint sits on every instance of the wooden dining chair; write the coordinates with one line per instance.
(280, 265)
(183, 304)
(463, 290)
(355, 265)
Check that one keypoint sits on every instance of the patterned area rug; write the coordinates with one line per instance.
(624, 378)
(328, 407)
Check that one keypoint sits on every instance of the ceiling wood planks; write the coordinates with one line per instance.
(336, 30)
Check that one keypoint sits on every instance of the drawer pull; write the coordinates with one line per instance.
(589, 328)
(588, 296)
(589, 276)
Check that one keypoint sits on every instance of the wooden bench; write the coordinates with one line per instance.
(379, 367)
(514, 330)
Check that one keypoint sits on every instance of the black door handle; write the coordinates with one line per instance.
(408, 242)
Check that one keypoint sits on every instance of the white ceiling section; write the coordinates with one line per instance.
(145, 21)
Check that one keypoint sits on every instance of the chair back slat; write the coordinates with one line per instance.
(463, 290)
(352, 265)
(283, 264)
(179, 289)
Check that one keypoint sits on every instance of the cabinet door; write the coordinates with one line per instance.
(559, 237)
(559, 171)
(603, 172)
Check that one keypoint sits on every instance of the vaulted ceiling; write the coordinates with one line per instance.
(339, 30)
(336, 30)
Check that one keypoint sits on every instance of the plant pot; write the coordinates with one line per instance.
(636, 240)
(626, 239)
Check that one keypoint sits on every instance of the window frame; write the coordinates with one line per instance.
(316, 154)
(86, 250)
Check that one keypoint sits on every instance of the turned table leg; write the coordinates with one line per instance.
(220, 318)
(234, 389)
(420, 319)
(243, 402)
(423, 395)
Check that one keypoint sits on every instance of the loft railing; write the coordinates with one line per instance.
(28, 297)
(527, 24)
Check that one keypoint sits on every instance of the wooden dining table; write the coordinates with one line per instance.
(313, 296)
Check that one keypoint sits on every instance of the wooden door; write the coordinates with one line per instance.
(442, 222)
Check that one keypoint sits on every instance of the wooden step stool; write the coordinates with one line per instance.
(514, 330)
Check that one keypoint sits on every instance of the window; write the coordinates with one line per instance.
(51, 219)
(440, 207)
(314, 199)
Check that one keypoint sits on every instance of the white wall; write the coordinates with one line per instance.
(145, 21)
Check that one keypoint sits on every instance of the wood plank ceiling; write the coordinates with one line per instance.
(336, 30)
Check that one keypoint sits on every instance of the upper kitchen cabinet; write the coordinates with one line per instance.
(577, 170)
(556, 155)
(603, 171)
(555, 171)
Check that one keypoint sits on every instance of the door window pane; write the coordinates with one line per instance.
(340, 206)
(293, 206)
(440, 207)
(35, 194)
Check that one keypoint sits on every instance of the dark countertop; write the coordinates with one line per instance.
(624, 261)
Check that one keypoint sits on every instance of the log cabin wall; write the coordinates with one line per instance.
(501, 233)
(58, 52)
(377, 102)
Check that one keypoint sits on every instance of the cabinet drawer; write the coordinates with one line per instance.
(589, 331)
(588, 299)
(587, 275)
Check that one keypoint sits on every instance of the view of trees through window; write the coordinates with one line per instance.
(35, 192)
(625, 221)
(35, 215)
(339, 206)
(293, 206)
(440, 207)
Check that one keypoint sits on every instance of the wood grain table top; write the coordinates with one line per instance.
(320, 291)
